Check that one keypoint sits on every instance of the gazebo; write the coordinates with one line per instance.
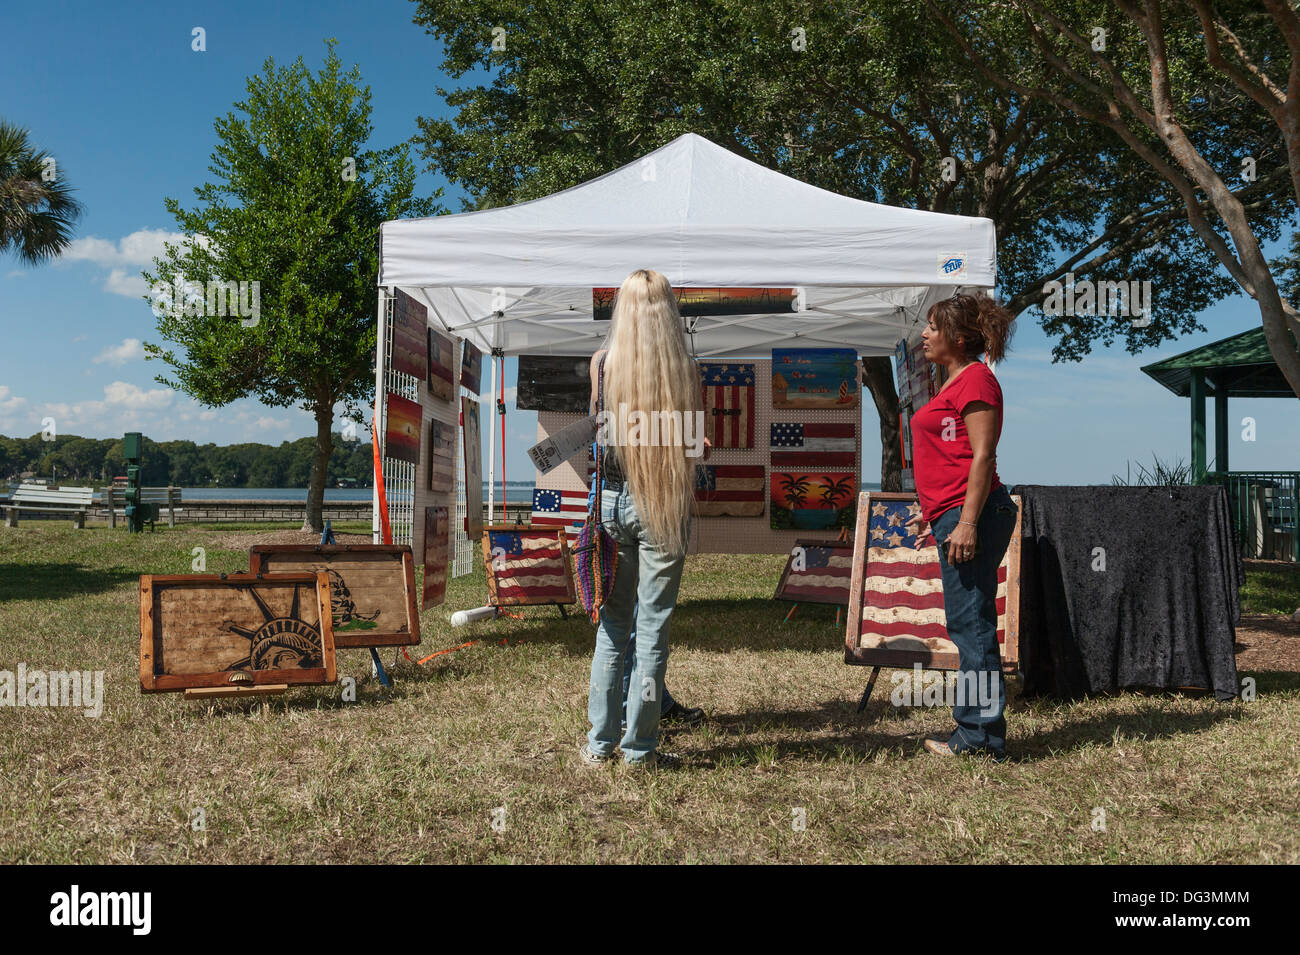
(1264, 502)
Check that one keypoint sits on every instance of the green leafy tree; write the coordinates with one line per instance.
(37, 211)
(873, 100)
(295, 206)
(1201, 94)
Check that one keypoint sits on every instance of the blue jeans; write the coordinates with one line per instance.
(970, 591)
(629, 664)
(637, 611)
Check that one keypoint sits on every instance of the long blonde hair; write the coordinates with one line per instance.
(650, 370)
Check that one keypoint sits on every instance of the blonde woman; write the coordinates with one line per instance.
(645, 505)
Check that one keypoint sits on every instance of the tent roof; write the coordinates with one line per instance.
(1242, 363)
(706, 218)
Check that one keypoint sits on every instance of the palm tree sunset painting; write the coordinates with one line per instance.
(812, 500)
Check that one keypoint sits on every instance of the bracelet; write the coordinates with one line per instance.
(971, 523)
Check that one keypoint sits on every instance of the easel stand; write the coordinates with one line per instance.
(871, 685)
(377, 666)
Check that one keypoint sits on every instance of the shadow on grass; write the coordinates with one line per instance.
(53, 581)
(722, 626)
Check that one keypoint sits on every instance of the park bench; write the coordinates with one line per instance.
(70, 501)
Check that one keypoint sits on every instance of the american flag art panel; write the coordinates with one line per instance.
(896, 609)
(817, 571)
(527, 566)
(728, 394)
(564, 510)
(729, 490)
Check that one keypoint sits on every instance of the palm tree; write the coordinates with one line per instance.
(840, 486)
(36, 215)
(795, 487)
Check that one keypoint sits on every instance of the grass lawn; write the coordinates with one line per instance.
(417, 774)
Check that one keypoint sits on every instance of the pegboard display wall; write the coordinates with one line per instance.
(729, 535)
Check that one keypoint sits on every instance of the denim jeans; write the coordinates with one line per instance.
(970, 601)
(640, 604)
(629, 664)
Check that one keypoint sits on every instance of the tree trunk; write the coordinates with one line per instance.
(878, 378)
(314, 519)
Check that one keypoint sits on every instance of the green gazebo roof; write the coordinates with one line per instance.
(1242, 364)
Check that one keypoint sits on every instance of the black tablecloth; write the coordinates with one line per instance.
(1163, 611)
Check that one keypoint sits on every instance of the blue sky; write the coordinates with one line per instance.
(126, 107)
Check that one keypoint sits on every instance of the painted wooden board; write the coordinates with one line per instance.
(728, 397)
(442, 361)
(812, 499)
(896, 614)
(473, 451)
(815, 378)
(553, 383)
(437, 550)
(372, 588)
(527, 566)
(729, 490)
(817, 571)
(471, 367)
(442, 456)
(410, 338)
(402, 429)
(206, 630)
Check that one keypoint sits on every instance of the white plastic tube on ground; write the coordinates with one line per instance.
(462, 617)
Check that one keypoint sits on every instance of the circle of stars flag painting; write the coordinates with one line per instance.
(562, 509)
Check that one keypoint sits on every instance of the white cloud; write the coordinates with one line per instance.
(129, 350)
(127, 284)
(267, 423)
(139, 248)
(125, 394)
(8, 401)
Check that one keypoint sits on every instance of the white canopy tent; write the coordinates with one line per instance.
(519, 278)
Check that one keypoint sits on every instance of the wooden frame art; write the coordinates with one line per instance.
(235, 631)
(528, 565)
(903, 625)
(372, 588)
(827, 577)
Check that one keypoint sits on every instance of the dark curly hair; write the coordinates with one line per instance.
(977, 321)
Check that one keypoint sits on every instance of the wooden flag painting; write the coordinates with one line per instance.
(728, 395)
(471, 368)
(437, 547)
(797, 444)
(896, 608)
(812, 499)
(410, 341)
(814, 378)
(402, 429)
(442, 456)
(817, 571)
(473, 450)
(527, 566)
(729, 490)
(562, 510)
(442, 359)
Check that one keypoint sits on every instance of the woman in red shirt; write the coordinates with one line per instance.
(966, 508)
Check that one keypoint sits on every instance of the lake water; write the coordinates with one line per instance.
(515, 491)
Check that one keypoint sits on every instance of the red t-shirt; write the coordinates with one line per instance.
(941, 451)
